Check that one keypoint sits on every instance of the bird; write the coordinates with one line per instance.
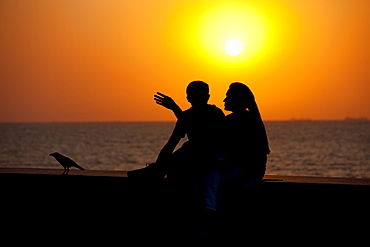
(66, 162)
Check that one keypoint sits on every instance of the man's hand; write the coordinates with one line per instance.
(168, 102)
(165, 101)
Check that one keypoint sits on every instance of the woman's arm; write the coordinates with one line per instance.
(169, 103)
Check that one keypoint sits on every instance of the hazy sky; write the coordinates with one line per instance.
(99, 60)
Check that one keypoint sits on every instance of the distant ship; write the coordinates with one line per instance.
(355, 119)
(300, 119)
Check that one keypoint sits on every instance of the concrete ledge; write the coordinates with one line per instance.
(123, 174)
(107, 204)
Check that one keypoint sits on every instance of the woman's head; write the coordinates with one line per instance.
(238, 97)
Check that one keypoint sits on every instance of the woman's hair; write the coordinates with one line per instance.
(242, 90)
(245, 97)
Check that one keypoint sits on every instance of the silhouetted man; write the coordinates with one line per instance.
(202, 125)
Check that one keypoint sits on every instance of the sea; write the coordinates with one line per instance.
(304, 148)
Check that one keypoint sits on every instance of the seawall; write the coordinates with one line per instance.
(107, 203)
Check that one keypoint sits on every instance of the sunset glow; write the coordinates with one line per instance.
(68, 60)
(232, 21)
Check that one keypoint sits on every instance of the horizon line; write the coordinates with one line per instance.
(172, 121)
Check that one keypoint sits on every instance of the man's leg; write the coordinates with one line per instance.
(212, 186)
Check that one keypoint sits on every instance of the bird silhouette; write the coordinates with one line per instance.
(66, 162)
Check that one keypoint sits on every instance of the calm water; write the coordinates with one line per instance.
(312, 148)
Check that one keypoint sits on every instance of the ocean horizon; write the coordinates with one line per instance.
(304, 147)
(349, 119)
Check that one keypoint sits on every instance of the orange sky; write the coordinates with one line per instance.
(92, 60)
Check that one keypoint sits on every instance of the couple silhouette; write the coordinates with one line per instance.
(220, 149)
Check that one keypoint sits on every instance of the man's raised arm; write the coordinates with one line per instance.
(169, 103)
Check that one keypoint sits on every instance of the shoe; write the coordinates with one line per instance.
(151, 171)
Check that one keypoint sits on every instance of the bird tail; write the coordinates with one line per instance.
(79, 167)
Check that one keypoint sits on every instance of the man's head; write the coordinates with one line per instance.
(197, 93)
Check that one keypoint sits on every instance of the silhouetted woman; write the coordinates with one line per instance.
(246, 145)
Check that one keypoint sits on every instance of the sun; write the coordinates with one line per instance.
(231, 34)
(233, 47)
